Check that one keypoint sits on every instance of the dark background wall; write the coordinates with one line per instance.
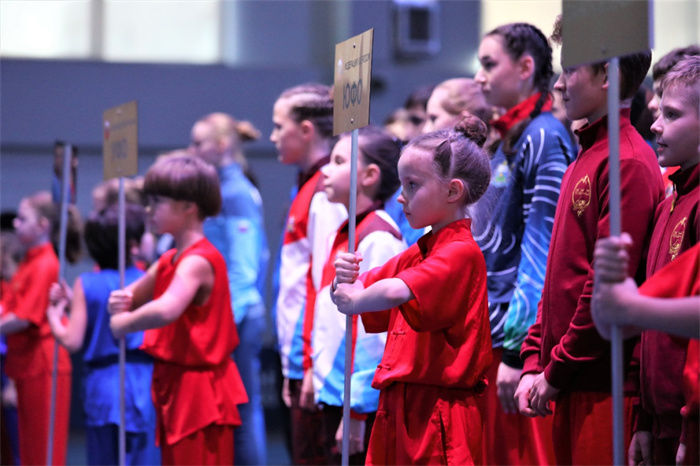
(276, 44)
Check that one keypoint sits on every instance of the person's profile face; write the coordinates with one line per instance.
(498, 75)
(677, 129)
(287, 135)
(438, 117)
(204, 143)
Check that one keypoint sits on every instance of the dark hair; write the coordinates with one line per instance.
(102, 234)
(45, 207)
(312, 102)
(685, 74)
(519, 39)
(419, 97)
(185, 178)
(669, 60)
(459, 153)
(633, 67)
(376, 146)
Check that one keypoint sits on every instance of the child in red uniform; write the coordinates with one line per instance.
(183, 303)
(30, 343)
(432, 301)
(658, 425)
(616, 300)
(564, 357)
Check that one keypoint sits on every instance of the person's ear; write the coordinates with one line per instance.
(307, 129)
(370, 175)
(44, 223)
(455, 190)
(606, 81)
(526, 67)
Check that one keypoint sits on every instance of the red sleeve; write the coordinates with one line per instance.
(32, 298)
(582, 343)
(441, 282)
(532, 345)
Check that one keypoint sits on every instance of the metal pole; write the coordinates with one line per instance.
(616, 348)
(352, 214)
(122, 341)
(65, 200)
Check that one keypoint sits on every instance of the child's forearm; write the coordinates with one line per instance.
(678, 316)
(61, 332)
(382, 295)
(155, 314)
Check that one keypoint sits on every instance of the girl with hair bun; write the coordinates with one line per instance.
(378, 239)
(515, 222)
(432, 301)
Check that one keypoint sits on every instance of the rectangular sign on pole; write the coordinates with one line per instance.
(120, 143)
(597, 30)
(353, 74)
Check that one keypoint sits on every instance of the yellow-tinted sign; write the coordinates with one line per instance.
(120, 143)
(353, 73)
(597, 30)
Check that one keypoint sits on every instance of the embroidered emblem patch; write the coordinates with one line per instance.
(500, 175)
(676, 240)
(581, 196)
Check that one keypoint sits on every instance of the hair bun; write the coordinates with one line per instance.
(246, 131)
(472, 128)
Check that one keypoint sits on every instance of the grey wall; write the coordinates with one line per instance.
(269, 46)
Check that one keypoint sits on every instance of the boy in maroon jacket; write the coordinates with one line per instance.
(658, 426)
(565, 359)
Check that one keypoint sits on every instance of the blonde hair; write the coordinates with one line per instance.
(227, 127)
(464, 94)
(44, 206)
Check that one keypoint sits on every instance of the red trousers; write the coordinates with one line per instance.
(582, 430)
(512, 439)
(211, 445)
(424, 424)
(33, 406)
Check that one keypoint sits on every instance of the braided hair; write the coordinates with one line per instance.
(519, 39)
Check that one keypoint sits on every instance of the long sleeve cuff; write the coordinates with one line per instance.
(511, 358)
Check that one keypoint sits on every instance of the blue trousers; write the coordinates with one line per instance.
(250, 442)
(103, 446)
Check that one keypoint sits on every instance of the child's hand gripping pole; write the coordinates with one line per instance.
(352, 213)
(65, 200)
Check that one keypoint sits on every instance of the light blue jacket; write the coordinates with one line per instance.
(239, 235)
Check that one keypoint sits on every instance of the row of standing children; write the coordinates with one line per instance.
(582, 430)
(441, 173)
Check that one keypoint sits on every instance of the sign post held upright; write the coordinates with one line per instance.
(353, 74)
(595, 31)
(120, 147)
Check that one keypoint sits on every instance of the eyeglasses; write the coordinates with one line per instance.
(153, 199)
